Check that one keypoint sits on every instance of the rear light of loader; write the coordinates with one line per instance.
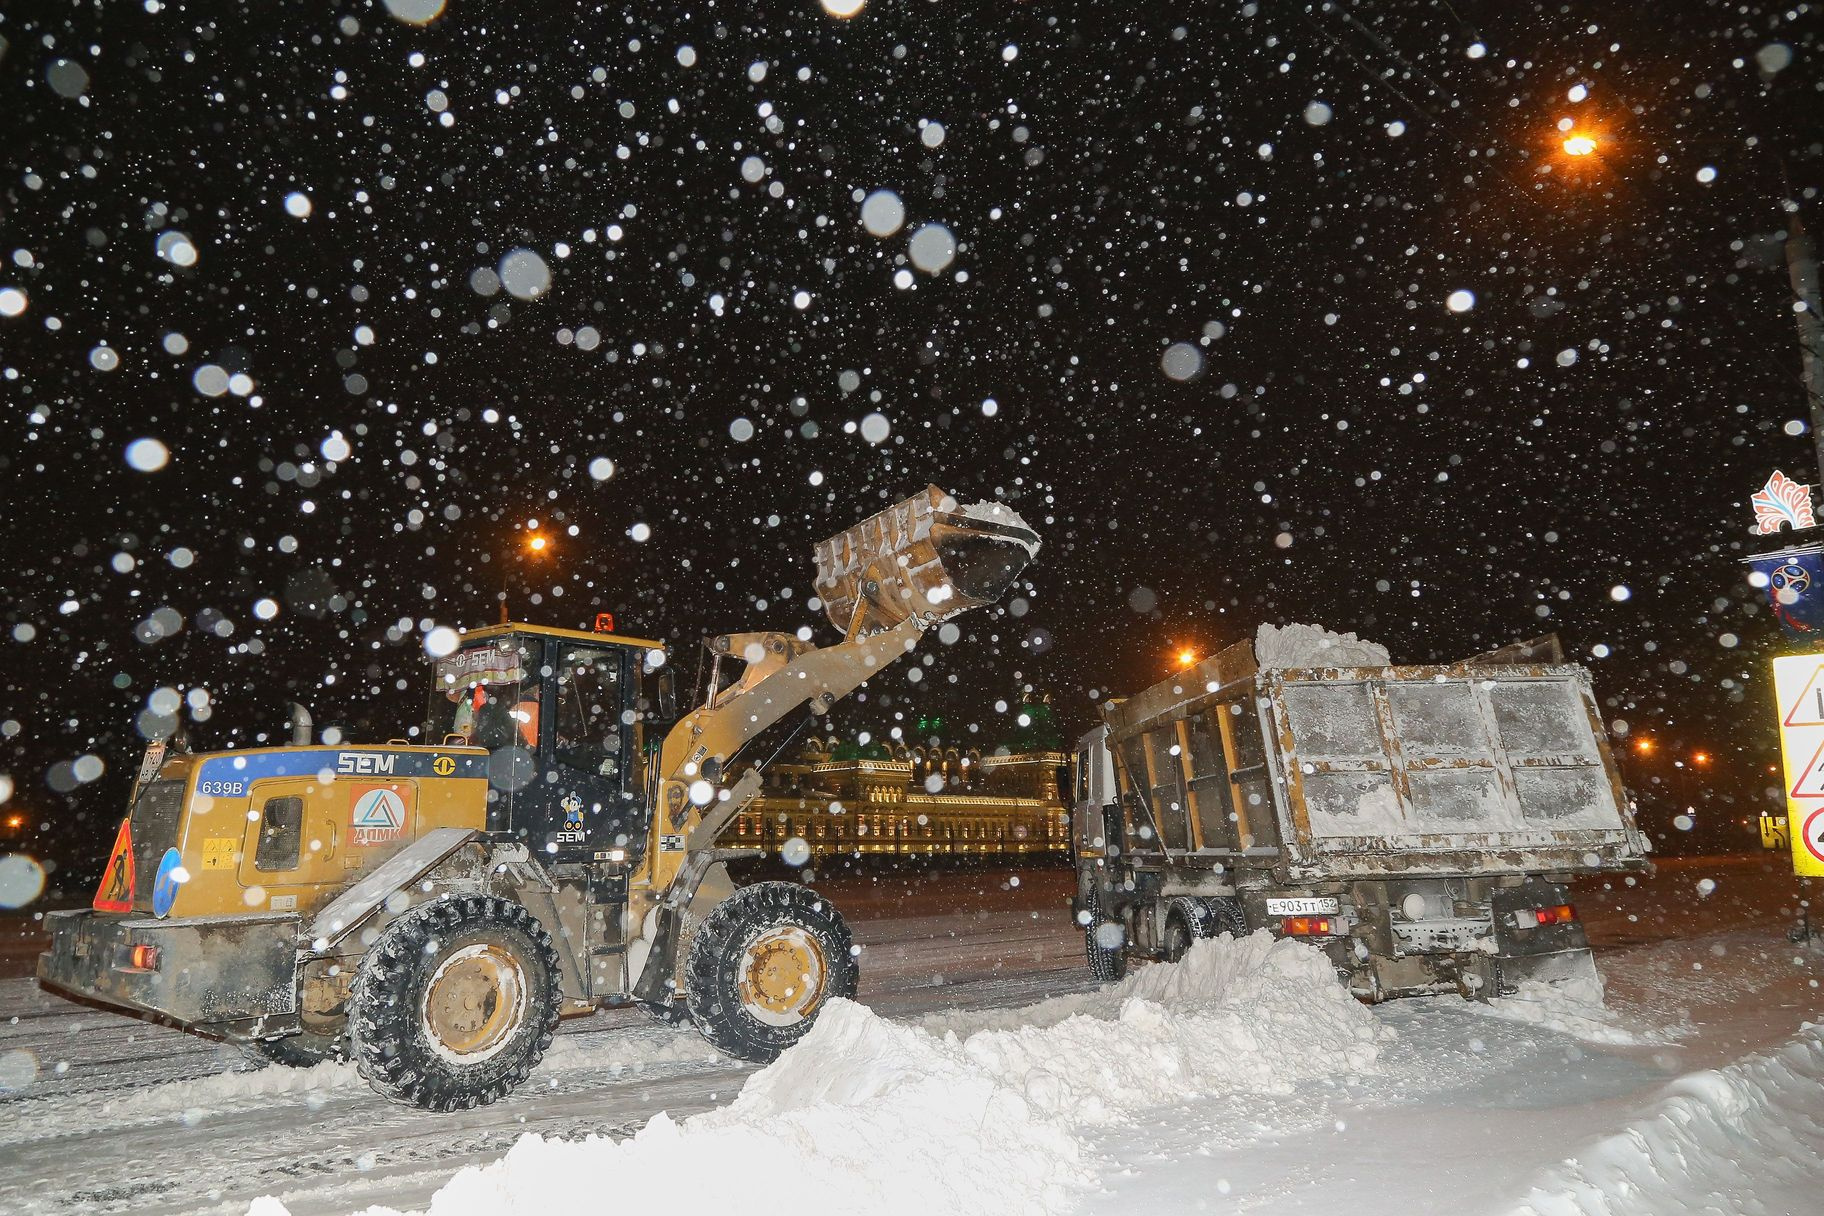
(1309, 926)
(137, 958)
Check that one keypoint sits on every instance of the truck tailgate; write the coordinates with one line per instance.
(1446, 769)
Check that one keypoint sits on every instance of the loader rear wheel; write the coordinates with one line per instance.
(1104, 934)
(761, 966)
(455, 1004)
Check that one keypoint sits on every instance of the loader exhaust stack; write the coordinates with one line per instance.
(927, 557)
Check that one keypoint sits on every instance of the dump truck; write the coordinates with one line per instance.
(1419, 824)
(549, 844)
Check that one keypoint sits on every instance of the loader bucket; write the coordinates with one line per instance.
(926, 557)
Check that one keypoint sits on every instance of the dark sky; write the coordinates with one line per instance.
(1295, 191)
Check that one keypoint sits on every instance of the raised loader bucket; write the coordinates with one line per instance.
(925, 557)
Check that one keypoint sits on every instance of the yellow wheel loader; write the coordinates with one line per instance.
(548, 845)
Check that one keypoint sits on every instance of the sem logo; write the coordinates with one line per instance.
(443, 766)
(365, 763)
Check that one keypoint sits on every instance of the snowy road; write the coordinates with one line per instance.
(104, 1113)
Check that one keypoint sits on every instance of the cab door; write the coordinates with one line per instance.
(583, 800)
(298, 835)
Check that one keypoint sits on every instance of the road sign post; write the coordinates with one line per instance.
(1798, 686)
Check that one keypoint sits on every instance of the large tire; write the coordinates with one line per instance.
(1228, 916)
(761, 966)
(1104, 935)
(1187, 920)
(304, 1050)
(455, 1004)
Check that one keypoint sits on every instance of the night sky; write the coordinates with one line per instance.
(272, 239)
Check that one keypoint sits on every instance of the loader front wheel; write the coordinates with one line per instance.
(455, 1004)
(761, 966)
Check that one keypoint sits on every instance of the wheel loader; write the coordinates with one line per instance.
(547, 845)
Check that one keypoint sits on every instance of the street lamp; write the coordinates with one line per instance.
(537, 544)
(1186, 656)
(1579, 145)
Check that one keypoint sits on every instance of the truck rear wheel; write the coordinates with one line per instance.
(761, 966)
(1187, 920)
(455, 1004)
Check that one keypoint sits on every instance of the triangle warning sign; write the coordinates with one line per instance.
(1810, 781)
(116, 891)
(1807, 709)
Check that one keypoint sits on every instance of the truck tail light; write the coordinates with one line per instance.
(1533, 918)
(1309, 926)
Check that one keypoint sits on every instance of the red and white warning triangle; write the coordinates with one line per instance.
(1807, 709)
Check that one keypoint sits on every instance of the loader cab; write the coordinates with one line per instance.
(564, 716)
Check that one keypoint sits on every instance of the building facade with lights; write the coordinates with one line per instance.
(850, 800)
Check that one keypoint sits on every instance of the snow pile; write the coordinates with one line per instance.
(866, 1115)
(1573, 1006)
(1314, 646)
(1253, 1015)
(1747, 1139)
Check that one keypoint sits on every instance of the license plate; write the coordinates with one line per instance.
(1304, 905)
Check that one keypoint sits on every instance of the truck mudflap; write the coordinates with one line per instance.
(1571, 968)
(229, 977)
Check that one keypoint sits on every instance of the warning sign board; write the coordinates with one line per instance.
(1798, 687)
(116, 891)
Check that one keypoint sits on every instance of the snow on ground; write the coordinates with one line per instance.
(1695, 1084)
(865, 1115)
(1573, 1007)
(1744, 1139)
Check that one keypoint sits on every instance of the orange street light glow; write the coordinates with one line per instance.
(537, 544)
(1700, 758)
(1186, 657)
(1644, 746)
(1579, 145)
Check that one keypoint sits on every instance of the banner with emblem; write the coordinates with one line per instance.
(1791, 578)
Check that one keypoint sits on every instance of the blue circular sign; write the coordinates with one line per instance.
(164, 887)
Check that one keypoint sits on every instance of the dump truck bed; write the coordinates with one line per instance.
(1473, 768)
(1458, 769)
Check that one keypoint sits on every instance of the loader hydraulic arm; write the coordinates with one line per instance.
(883, 582)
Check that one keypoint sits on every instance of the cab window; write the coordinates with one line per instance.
(281, 834)
(485, 697)
(588, 711)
